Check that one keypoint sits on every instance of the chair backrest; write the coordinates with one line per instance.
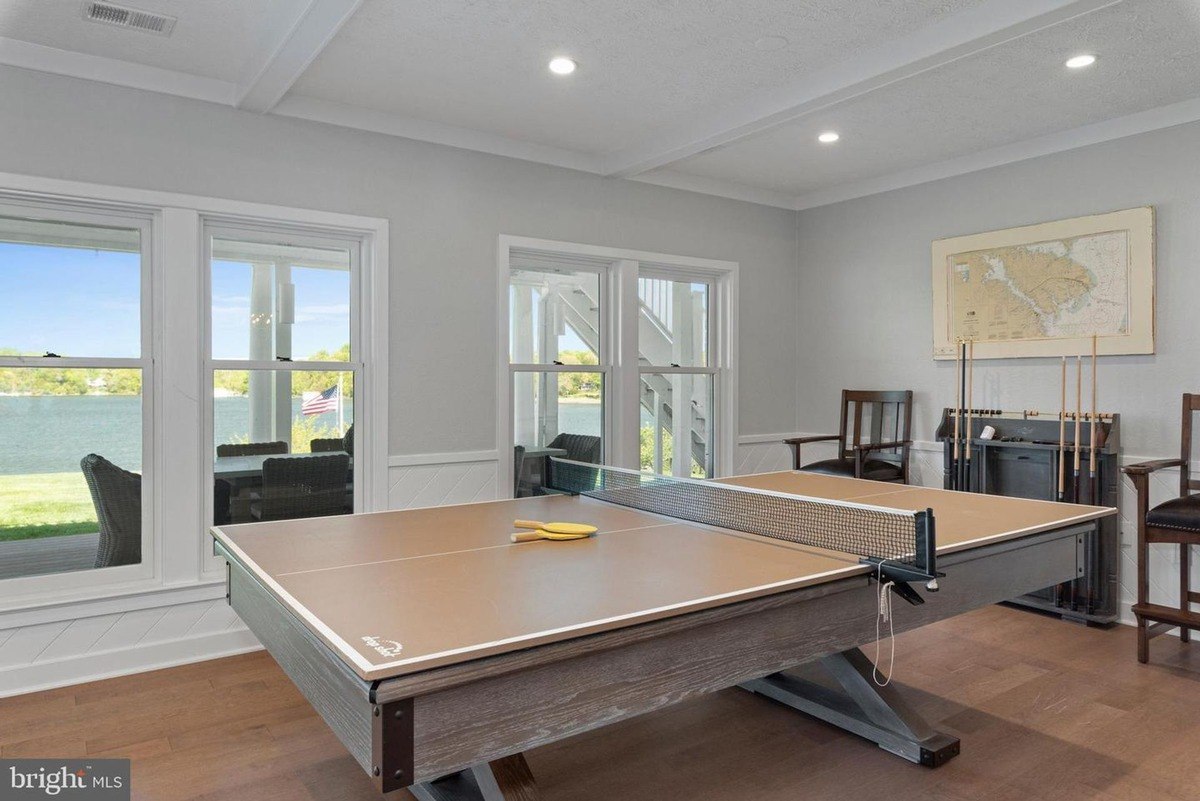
(348, 440)
(579, 447)
(518, 466)
(117, 497)
(326, 445)
(251, 448)
(304, 486)
(1191, 405)
(874, 416)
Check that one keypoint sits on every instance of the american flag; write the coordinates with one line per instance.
(320, 402)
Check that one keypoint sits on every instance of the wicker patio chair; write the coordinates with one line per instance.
(579, 448)
(117, 497)
(304, 486)
(326, 445)
(251, 448)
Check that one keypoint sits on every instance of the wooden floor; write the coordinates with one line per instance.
(1045, 710)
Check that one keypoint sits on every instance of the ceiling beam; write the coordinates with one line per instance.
(958, 36)
(301, 42)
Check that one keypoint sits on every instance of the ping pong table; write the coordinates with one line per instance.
(438, 650)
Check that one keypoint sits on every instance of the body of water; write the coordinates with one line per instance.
(50, 434)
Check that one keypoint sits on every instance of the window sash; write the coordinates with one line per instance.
(18, 590)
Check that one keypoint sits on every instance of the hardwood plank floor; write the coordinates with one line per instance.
(1045, 710)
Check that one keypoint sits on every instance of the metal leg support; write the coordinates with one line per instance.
(507, 779)
(877, 713)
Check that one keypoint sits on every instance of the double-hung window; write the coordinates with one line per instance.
(616, 357)
(676, 381)
(285, 360)
(76, 396)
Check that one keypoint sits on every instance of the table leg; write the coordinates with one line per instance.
(507, 779)
(877, 713)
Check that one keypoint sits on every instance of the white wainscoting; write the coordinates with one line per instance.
(438, 479)
(43, 655)
(766, 452)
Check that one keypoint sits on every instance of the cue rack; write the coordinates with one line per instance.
(1067, 455)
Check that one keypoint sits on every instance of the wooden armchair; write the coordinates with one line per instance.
(1174, 522)
(863, 451)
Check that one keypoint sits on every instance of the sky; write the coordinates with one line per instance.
(77, 302)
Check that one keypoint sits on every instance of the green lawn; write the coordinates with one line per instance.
(45, 505)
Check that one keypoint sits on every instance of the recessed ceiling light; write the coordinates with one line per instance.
(1081, 61)
(561, 65)
(829, 137)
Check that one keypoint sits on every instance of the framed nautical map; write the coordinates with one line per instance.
(1045, 290)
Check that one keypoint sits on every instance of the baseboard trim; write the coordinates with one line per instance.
(51, 674)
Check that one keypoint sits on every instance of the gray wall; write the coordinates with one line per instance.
(865, 306)
(446, 208)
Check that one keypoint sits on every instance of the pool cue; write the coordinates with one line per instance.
(968, 434)
(1094, 495)
(962, 382)
(1079, 413)
(957, 410)
(1062, 432)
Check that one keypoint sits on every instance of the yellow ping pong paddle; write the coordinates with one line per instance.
(551, 531)
(542, 534)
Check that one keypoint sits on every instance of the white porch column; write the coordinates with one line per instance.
(262, 342)
(521, 336)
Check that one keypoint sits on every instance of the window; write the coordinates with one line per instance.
(617, 357)
(284, 368)
(76, 393)
(558, 361)
(676, 392)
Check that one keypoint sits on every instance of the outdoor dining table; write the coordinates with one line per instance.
(231, 468)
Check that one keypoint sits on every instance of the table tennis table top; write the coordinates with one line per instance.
(397, 592)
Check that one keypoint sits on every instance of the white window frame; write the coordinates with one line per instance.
(144, 222)
(621, 408)
(682, 274)
(177, 565)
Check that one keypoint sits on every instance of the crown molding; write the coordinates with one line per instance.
(308, 108)
(958, 36)
(1095, 133)
(716, 187)
(27, 55)
(302, 41)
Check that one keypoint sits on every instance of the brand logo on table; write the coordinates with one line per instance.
(383, 647)
(85, 780)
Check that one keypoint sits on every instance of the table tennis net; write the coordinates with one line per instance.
(872, 532)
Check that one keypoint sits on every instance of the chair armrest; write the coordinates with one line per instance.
(1146, 468)
(804, 440)
(881, 446)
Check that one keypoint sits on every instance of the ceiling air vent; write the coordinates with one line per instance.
(125, 17)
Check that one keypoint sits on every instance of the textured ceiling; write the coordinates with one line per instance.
(213, 38)
(643, 64)
(1149, 56)
(917, 88)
